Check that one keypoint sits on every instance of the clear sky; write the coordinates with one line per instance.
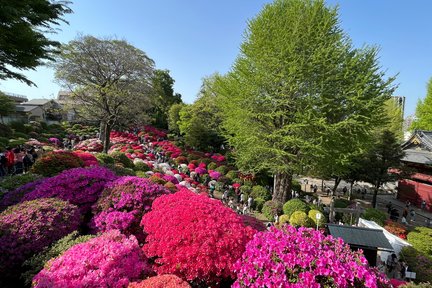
(195, 38)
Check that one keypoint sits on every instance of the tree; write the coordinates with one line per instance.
(299, 95)
(7, 106)
(393, 112)
(174, 117)
(423, 120)
(163, 97)
(110, 80)
(23, 44)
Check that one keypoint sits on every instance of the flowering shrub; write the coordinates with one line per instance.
(205, 230)
(55, 162)
(396, 229)
(253, 222)
(302, 258)
(87, 158)
(79, 186)
(104, 158)
(271, 208)
(28, 227)
(215, 175)
(200, 170)
(124, 202)
(161, 281)
(121, 158)
(110, 260)
(90, 145)
(13, 197)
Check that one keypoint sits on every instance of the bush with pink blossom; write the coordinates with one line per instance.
(110, 260)
(124, 202)
(185, 226)
(303, 257)
(161, 281)
(87, 158)
(28, 227)
(79, 186)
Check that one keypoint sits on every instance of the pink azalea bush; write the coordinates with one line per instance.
(79, 186)
(214, 174)
(124, 202)
(300, 258)
(110, 260)
(88, 158)
(161, 281)
(28, 227)
(194, 237)
(90, 145)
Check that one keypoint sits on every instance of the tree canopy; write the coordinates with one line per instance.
(423, 120)
(299, 95)
(109, 79)
(7, 106)
(23, 44)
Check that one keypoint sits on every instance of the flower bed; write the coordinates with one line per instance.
(161, 281)
(55, 162)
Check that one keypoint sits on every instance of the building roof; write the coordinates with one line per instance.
(419, 140)
(25, 108)
(37, 102)
(16, 97)
(418, 156)
(360, 236)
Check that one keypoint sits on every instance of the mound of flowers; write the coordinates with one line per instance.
(124, 202)
(79, 186)
(302, 257)
(122, 137)
(90, 145)
(28, 227)
(110, 260)
(185, 226)
(13, 197)
(87, 158)
(161, 281)
(55, 162)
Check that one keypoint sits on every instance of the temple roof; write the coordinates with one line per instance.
(360, 236)
(418, 156)
(420, 141)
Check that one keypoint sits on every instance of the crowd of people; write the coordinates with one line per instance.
(17, 160)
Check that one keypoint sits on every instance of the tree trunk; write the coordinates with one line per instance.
(337, 182)
(322, 185)
(375, 194)
(106, 139)
(282, 187)
(102, 131)
(350, 191)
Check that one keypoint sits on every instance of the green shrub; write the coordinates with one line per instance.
(120, 170)
(212, 166)
(141, 166)
(295, 185)
(414, 285)
(36, 263)
(4, 141)
(283, 219)
(20, 135)
(17, 142)
(258, 204)
(421, 239)
(121, 158)
(5, 131)
(223, 179)
(300, 218)
(341, 203)
(104, 158)
(418, 262)
(260, 192)
(222, 169)
(232, 174)
(271, 208)
(52, 163)
(205, 161)
(295, 205)
(375, 215)
(246, 189)
(312, 215)
(157, 180)
(141, 174)
(18, 127)
(10, 183)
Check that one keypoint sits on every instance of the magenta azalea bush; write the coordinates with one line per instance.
(303, 258)
(110, 260)
(79, 186)
(28, 227)
(194, 237)
(124, 202)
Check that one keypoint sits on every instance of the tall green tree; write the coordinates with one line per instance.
(174, 118)
(110, 80)
(23, 44)
(299, 95)
(163, 97)
(423, 120)
(394, 118)
(7, 106)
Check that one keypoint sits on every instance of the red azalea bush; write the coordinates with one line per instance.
(79, 186)
(124, 202)
(28, 227)
(194, 237)
(161, 281)
(52, 163)
(110, 260)
(87, 158)
(396, 229)
(303, 257)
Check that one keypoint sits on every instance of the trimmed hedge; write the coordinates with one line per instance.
(294, 205)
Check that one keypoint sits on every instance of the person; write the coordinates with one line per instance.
(3, 164)
(242, 198)
(276, 217)
(245, 209)
(250, 202)
(391, 265)
(27, 161)
(19, 161)
(225, 196)
(345, 190)
(423, 205)
(389, 207)
(315, 188)
(405, 212)
(404, 221)
(412, 214)
(328, 191)
(403, 268)
(10, 156)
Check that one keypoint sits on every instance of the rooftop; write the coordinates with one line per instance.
(360, 236)
(37, 102)
(419, 140)
(418, 156)
(25, 108)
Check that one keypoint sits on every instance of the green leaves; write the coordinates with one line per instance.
(423, 113)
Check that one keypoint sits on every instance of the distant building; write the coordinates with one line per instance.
(16, 97)
(64, 98)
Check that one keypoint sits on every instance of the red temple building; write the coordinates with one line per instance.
(418, 156)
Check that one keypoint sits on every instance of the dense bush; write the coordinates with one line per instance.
(185, 226)
(87, 158)
(212, 166)
(302, 258)
(141, 166)
(36, 263)
(418, 262)
(341, 203)
(271, 208)
(79, 186)
(104, 158)
(120, 170)
(5, 131)
(222, 169)
(421, 239)
(110, 260)
(283, 219)
(121, 158)
(161, 281)
(13, 197)
(300, 218)
(414, 285)
(232, 174)
(246, 189)
(295, 205)
(375, 215)
(10, 183)
(123, 203)
(295, 185)
(258, 204)
(55, 162)
(312, 215)
(260, 192)
(28, 227)
(20, 135)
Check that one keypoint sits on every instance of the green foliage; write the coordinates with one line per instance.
(104, 158)
(52, 163)
(20, 135)
(18, 127)
(414, 285)
(341, 203)
(312, 215)
(258, 204)
(205, 161)
(375, 215)
(418, 262)
(260, 192)
(120, 170)
(283, 219)
(213, 166)
(423, 120)
(295, 185)
(232, 174)
(4, 141)
(295, 205)
(5, 131)
(300, 218)
(246, 189)
(121, 158)
(271, 208)
(394, 115)
(222, 169)
(141, 166)
(33, 265)
(174, 118)
(10, 183)
(7, 105)
(421, 238)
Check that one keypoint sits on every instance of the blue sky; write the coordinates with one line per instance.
(196, 38)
